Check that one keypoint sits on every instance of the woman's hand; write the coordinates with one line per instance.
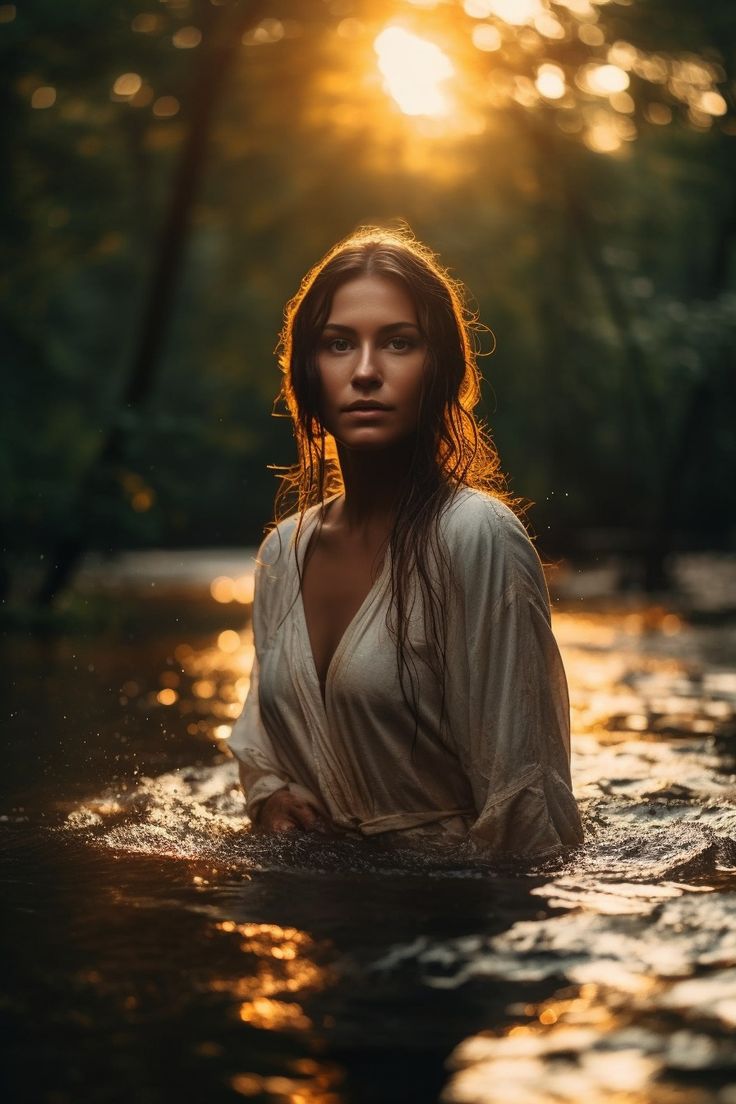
(283, 811)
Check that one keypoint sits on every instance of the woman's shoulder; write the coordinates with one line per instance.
(474, 516)
(277, 541)
(278, 546)
(485, 536)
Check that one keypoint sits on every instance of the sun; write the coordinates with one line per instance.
(414, 71)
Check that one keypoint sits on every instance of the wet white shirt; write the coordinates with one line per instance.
(498, 769)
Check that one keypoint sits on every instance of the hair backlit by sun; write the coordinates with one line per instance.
(414, 71)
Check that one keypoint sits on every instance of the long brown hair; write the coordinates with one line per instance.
(451, 449)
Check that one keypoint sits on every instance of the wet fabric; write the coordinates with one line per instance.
(493, 766)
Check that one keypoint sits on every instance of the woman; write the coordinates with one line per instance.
(406, 678)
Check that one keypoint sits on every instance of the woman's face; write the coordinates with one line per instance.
(371, 359)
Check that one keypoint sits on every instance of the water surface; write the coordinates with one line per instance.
(160, 952)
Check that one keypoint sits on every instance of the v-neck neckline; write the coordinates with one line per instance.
(300, 552)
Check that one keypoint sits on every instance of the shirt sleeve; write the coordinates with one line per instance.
(507, 692)
(261, 772)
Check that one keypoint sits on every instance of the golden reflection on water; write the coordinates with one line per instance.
(280, 961)
(273, 1015)
(316, 1085)
(636, 671)
(211, 683)
(591, 1042)
(557, 1056)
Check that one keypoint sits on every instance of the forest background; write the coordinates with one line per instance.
(173, 168)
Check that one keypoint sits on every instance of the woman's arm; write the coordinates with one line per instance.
(261, 776)
(508, 698)
(274, 800)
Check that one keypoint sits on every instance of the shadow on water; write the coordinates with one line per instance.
(160, 951)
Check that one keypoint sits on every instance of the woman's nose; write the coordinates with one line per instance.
(366, 365)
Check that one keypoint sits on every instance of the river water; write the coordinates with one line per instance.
(159, 952)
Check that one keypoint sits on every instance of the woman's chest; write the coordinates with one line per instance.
(361, 670)
(335, 586)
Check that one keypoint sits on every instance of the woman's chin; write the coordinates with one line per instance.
(371, 442)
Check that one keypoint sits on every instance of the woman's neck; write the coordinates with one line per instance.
(373, 484)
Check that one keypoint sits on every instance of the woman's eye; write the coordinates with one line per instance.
(344, 344)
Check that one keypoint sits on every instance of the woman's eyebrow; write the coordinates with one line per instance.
(384, 329)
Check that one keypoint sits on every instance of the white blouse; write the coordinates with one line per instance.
(497, 771)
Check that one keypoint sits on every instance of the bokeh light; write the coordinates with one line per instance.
(550, 82)
(43, 97)
(126, 85)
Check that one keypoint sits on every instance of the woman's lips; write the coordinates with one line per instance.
(363, 405)
(366, 413)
